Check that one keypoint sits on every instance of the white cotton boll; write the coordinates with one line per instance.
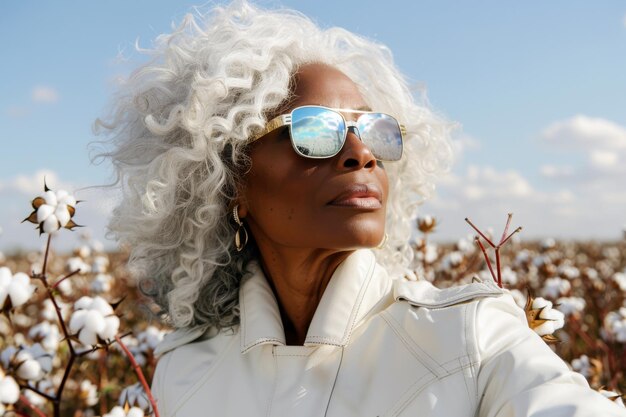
(77, 321)
(30, 370)
(51, 224)
(112, 324)
(66, 200)
(509, 276)
(569, 271)
(555, 319)
(135, 412)
(548, 243)
(555, 287)
(100, 264)
(116, 411)
(546, 328)
(9, 390)
(47, 334)
(63, 215)
(94, 322)
(151, 337)
(95, 319)
(83, 302)
(61, 194)
(619, 329)
(89, 392)
(20, 289)
(65, 286)
(620, 280)
(571, 305)
(84, 251)
(87, 337)
(582, 366)
(102, 283)
(76, 263)
(44, 211)
(100, 304)
(50, 197)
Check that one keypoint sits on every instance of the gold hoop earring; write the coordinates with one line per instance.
(383, 243)
(238, 245)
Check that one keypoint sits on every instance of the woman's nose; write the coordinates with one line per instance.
(355, 154)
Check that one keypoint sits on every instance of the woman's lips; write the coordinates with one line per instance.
(365, 196)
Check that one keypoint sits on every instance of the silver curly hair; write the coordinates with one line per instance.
(178, 132)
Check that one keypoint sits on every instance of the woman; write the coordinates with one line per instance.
(262, 220)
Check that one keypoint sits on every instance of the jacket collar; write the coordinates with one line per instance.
(356, 286)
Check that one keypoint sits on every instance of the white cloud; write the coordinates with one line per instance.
(44, 94)
(584, 132)
(551, 171)
(34, 184)
(582, 200)
(463, 143)
(603, 159)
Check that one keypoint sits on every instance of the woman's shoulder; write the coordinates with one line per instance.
(186, 355)
(446, 322)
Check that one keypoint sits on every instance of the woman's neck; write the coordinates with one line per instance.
(298, 278)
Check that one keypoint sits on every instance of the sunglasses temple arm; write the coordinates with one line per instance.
(276, 123)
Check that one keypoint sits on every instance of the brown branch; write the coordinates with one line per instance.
(56, 284)
(45, 257)
(28, 404)
(498, 269)
(140, 375)
(506, 228)
(479, 232)
(484, 251)
(519, 229)
(38, 392)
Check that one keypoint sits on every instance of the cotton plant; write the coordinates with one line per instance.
(555, 287)
(620, 279)
(615, 325)
(135, 396)
(9, 391)
(144, 344)
(102, 283)
(88, 392)
(15, 289)
(47, 334)
(543, 318)
(571, 305)
(28, 363)
(94, 321)
(63, 335)
(53, 211)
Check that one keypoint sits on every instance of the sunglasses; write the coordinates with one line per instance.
(320, 132)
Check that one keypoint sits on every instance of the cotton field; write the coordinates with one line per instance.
(76, 339)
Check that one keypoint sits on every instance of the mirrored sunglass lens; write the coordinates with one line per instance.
(317, 132)
(381, 133)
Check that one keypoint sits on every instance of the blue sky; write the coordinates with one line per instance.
(539, 88)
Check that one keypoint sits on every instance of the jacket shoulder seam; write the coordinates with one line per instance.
(418, 353)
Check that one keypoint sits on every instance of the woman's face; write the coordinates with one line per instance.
(335, 203)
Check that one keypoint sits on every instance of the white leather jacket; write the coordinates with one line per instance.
(375, 347)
